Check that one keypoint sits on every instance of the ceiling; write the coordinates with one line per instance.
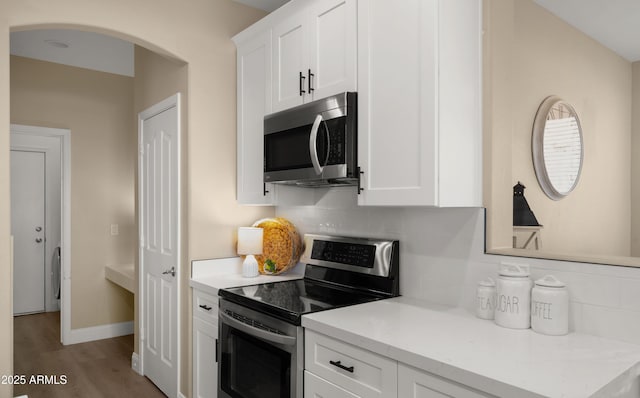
(615, 24)
(75, 48)
(612, 23)
(266, 5)
(91, 50)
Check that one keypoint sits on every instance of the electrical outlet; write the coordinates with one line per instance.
(114, 229)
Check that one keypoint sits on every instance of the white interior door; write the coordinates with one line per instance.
(159, 242)
(27, 228)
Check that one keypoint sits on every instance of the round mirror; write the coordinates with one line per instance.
(557, 147)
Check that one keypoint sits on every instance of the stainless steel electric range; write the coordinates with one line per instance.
(261, 340)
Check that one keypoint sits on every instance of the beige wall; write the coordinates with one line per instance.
(197, 32)
(498, 23)
(98, 109)
(560, 60)
(635, 162)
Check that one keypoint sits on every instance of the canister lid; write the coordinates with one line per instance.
(489, 282)
(511, 269)
(550, 281)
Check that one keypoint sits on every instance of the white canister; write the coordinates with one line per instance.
(513, 296)
(550, 307)
(486, 298)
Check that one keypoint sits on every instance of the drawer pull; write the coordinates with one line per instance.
(341, 366)
(205, 307)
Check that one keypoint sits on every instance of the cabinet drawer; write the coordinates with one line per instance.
(315, 387)
(356, 370)
(414, 383)
(205, 306)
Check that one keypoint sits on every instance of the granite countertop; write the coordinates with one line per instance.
(454, 344)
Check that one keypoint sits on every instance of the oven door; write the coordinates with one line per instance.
(260, 357)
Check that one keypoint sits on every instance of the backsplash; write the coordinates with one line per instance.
(442, 258)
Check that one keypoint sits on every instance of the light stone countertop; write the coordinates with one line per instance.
(454, 344)
(209, 276)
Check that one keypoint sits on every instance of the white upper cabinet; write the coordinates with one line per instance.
(419, 120)
(416, 65)
(314, 52)
(290, 62)
(254, 101)
(333, 55)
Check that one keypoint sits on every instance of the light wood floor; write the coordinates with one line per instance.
(96, 369)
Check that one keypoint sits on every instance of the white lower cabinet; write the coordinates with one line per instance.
(358, 371)
(414, 383)
(315, 387)
(205, 338)
(335, 369)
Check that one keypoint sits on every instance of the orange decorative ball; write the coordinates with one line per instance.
(281, 245)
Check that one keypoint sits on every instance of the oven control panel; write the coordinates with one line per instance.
(357, 254)
(376, 257)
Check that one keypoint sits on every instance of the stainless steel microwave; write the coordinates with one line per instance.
(313, 144)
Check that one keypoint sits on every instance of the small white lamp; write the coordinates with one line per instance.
(249, 243)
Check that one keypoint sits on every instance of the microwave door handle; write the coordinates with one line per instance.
(313, 148)
(256, 332)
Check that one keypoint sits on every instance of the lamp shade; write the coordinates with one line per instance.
(249, 240)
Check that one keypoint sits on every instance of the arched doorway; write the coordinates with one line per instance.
(81, 259)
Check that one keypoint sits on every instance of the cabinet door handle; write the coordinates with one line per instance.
(359, 173)
(341, 366)
(310, 81)
(217, 345)
(264, 189)
(302, 77)
(205, 307)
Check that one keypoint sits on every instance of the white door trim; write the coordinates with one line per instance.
(172, 101)
(65, 212)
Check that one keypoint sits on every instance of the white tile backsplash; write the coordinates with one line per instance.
(611, 322)
(442, 259)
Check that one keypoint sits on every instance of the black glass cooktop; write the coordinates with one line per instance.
(289, 300)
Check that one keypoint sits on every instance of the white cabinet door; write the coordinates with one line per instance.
(314, 53)
(205, 366)
(290, 62)
(254, 101)
(397, 79)
(419, 130)
(333, 43)
(413, 383)
(315, 387)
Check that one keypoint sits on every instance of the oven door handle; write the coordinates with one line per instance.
(257, 332)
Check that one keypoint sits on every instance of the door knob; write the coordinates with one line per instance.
(38, 229)
(38, 240)
(171, 271)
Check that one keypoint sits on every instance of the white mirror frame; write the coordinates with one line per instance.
(537, 147)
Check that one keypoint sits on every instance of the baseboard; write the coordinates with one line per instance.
(135, 363)
(100, 332)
